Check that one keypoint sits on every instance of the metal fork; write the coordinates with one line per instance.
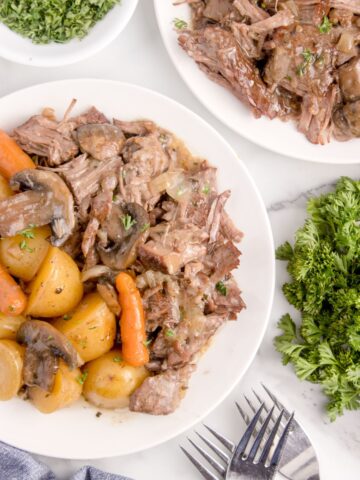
(243, 465)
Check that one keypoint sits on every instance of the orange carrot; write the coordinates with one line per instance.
(132, 322)
(12, 298)
(12, 158)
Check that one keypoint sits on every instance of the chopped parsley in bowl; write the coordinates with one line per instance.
(50, 33)
(46, 21)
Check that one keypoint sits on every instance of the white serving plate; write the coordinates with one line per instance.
(21, 50)
(75, 432)
(274, 134)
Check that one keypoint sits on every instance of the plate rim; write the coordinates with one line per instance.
(272, 269)
(76, 56)
(224, 121)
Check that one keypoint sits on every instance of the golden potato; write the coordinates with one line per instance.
(56, 288)
(110, 381)
(23, 254)
(5, 190)
(67, 390)
(10, 325)
(11, 366)
(91, 327)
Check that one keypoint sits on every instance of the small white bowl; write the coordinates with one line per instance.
(19, 49)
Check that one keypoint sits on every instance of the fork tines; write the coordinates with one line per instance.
(218, 463)
(260, 447)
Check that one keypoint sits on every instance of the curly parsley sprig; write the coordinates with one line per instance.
(324, 266)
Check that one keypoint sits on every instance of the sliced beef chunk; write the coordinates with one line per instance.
(191, 336)
(40, 136)
(177, 248)
(221, 259)
(218, 54)
(229, 302)
(161, 394)
(68, 125)
(84, 174)
(315, 119)
(161, 307)
(250, 10)
(217, 9)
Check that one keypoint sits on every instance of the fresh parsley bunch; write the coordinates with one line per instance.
(324, 267)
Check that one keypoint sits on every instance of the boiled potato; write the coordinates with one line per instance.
(5, 190)
(22, 255)
(110, 381)
(11, 366)
(91, 327)
(57, 287)
(10, 325)
(67, 390)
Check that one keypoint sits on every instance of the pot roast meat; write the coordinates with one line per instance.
(136, 200)
(19, 211)
(250, 10)
(230, 304)
(40, 136)
(179, 247)
(191, 336)
(217, 9)
(161, 307)
(84, 174)
(217, 53)
(161, 394)
(283, 58)
(221, 259)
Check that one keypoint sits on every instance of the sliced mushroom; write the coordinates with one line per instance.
(123, 253)
(49, 201)
(44, 346)
(347, 121)
(349, 79)
(109, 295)
(101, 141)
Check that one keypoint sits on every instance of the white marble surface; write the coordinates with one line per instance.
(138, 56)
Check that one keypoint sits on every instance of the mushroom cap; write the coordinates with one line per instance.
(60, 203)
(123, 253)
(44, 346)
(102, 141)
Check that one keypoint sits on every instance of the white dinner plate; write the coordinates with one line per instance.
(274, 134)
(76, 432)
(19, 49)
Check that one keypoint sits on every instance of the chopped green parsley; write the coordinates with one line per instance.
(180, 24)
(221, 288)
(325, 25)
(46, 21)
(81, 378)
(128, 221)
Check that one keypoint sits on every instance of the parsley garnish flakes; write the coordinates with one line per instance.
(180, 24)
(221, 288)
(128, 221)
(325, 25)
(81, 378)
